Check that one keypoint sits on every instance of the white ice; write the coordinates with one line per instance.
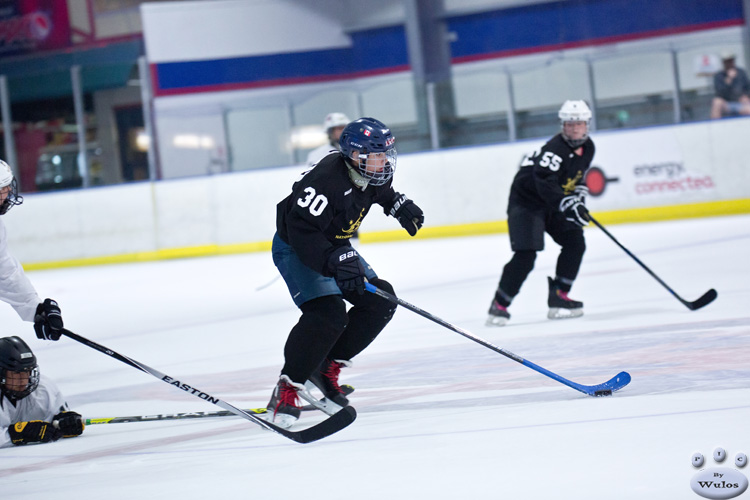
(440, 416)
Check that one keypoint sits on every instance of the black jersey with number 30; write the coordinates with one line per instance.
(550, 174)
(325, 209)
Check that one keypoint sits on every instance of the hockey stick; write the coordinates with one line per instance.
(703, 300)
(266, 285)
(607, 388)
(346, 389)
(169, 416)
(323, 429)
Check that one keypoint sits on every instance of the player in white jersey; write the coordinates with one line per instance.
(15, 287)
(32, 409)
(334, 124)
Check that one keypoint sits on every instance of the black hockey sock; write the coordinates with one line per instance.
(515, 273)
(322, 321)
(502, 298)
(367, 319)
(570, 258)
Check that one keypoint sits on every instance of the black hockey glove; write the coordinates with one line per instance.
(348, 270)
(574, 210)
(34, 431)
(409, 215)
(48, 321)
(69, 423)
(582, 192)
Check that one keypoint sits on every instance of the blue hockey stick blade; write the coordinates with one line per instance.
(607, 388)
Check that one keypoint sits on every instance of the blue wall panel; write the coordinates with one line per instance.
(372, 51)
(584, 22)
(534, 28)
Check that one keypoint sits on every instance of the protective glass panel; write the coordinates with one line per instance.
(259, 138)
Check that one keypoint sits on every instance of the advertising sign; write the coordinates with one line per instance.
(33, 25)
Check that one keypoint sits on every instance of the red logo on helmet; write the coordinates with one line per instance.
(367, 133)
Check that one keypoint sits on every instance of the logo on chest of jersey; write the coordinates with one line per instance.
(569, 186)
(353, 226)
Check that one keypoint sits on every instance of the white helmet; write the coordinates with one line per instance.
(335, 120)
(6, 174)
(6, 179)
(575, 111)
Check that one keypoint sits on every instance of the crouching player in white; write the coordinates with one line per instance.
(32, 409)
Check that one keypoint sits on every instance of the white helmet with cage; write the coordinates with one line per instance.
(6, 174)
(12, 197)
(575, 111)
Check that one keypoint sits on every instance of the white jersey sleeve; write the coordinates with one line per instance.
(42, 404)
(15, 287)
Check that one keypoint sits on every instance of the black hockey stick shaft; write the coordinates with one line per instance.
(616, 383)
(169, 416)
(325, 428)
(346, 389)
(703, 300)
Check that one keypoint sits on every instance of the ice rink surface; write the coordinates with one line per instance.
(440, 416)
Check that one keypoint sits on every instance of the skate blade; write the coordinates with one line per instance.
(327, 406)
(324, 404)
(495, 321)
(563, 313)
(280, 419)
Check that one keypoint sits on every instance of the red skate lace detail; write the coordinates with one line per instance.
(287, 397)
(332, 372)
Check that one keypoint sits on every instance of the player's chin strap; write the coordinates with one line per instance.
(356, 177)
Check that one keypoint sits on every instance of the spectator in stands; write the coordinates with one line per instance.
(732, 90)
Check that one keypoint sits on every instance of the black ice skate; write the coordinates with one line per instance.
(284, 408)
(326, 379)
(560, 305)
(498, 314)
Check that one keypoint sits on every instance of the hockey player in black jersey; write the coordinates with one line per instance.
(548, 194)
(312, 250)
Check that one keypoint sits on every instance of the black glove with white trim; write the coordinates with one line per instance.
(345, 266)
(582, 191)
(408, 214)
(48, 321)
(574, 209)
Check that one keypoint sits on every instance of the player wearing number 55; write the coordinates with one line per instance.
(548, 195)
(312, 250)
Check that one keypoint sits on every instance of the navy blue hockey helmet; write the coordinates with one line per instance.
(365, 137)
(16, 356)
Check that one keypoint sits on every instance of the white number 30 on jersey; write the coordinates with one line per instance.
(316, 203)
